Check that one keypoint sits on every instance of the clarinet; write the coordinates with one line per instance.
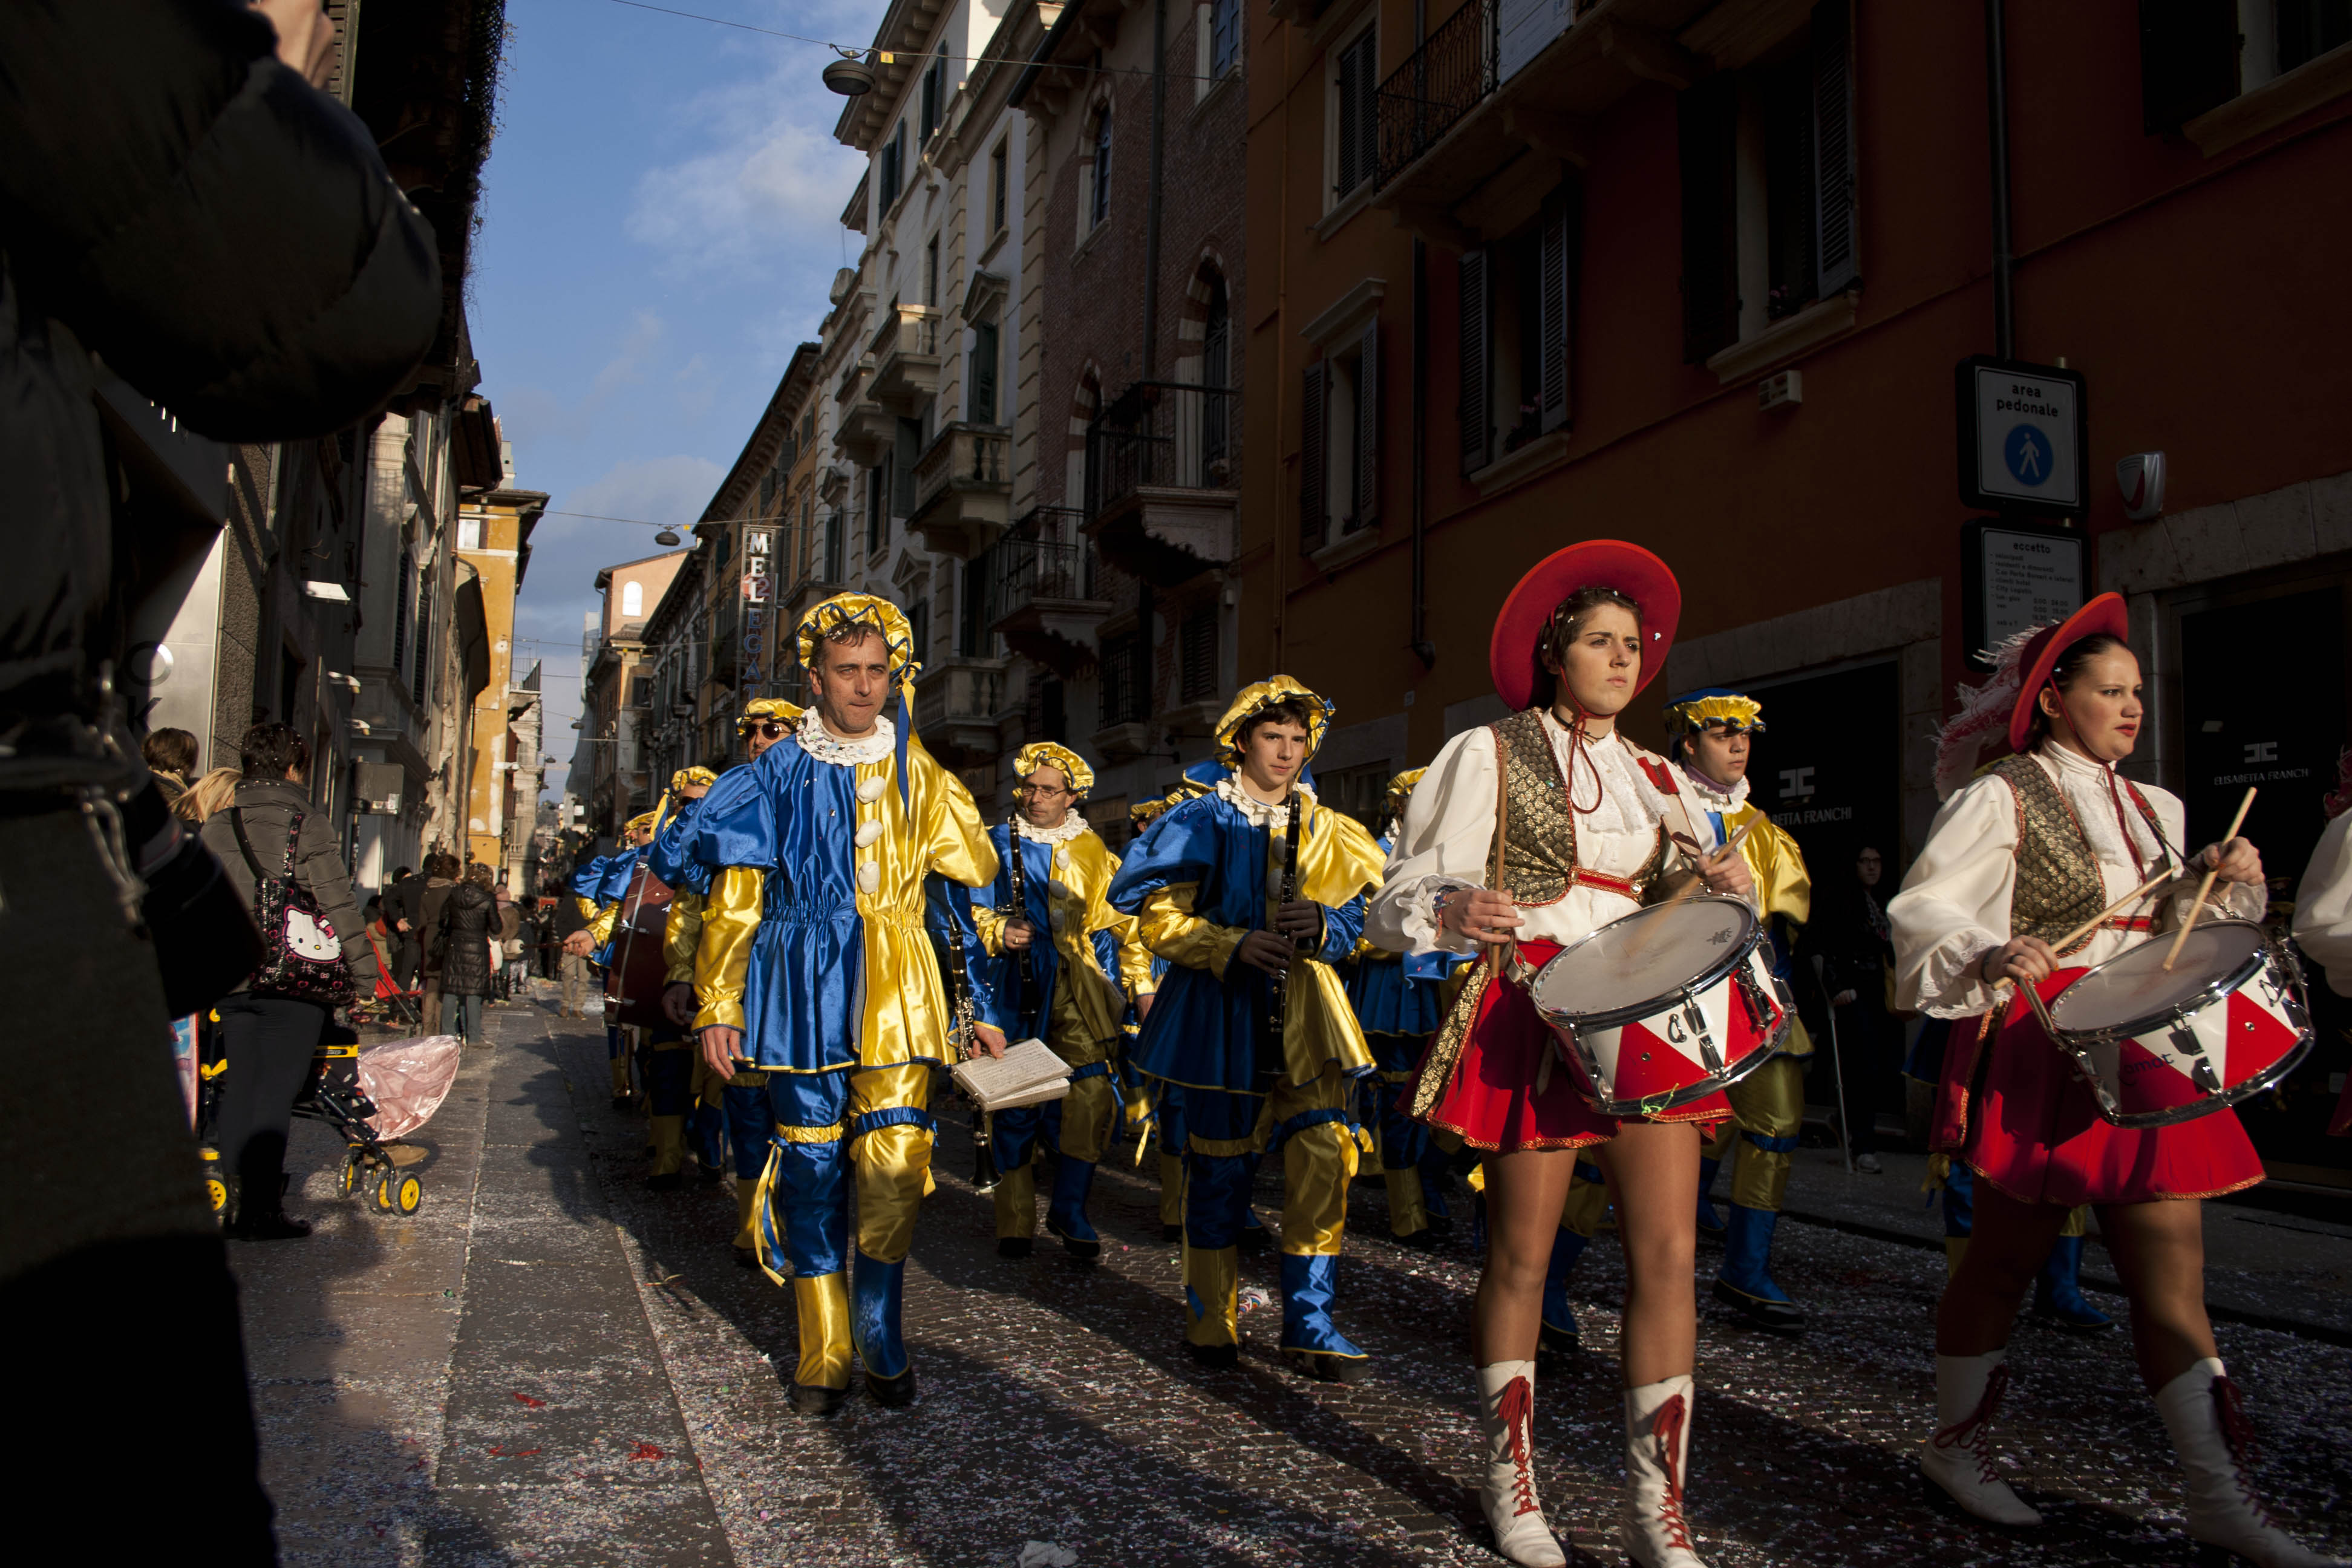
(1277, 990)
(1019, 873)
(984, 1175)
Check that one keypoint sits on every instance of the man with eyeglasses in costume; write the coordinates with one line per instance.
(597, 885)
(815, 965)
(1083, 966)
(743, 1097)
(1204, 885)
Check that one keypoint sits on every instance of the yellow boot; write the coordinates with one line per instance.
(1955, 1248)
(1016, 1210)
(1213, 1305)
(670, 1154)
(821, 1381)
(620, 1080)
(746, 1210)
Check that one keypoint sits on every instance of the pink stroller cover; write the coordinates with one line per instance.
(408, 1079)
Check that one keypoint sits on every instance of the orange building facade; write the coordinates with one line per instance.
(1699, 277)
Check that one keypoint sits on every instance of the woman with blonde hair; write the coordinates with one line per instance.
(212, 792)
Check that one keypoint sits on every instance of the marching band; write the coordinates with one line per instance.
(1562, 966)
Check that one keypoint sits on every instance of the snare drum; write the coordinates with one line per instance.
(1665, 1007)
(2227, 1021)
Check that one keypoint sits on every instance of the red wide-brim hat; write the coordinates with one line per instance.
(1513, 656)
(2106, 614)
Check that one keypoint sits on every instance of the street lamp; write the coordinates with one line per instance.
(850, 75)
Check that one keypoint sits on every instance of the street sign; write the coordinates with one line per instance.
(2023, 429)
(2015, 574)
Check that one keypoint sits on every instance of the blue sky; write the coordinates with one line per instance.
(661, 220)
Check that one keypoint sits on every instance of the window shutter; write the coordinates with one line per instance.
(1367, 105)
(1707, 114)
(1554, 305)
(2187, 60)
(1837, 267)
(1351, 87)
(1314, 504)
(1368, 428)
(984, 355)
(1474, 320)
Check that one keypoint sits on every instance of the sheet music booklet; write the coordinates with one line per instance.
(1028, 1073)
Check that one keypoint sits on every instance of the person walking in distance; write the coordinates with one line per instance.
(1851, 932)
(468, 921)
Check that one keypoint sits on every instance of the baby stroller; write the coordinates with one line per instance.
(373, 1098)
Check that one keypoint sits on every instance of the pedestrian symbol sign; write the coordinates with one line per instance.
(2021, 437)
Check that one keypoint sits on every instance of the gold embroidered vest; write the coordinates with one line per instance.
(2058, 881)
(1536, 848)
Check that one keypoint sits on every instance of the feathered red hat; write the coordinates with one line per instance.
(2106, 614)
(1514, 656)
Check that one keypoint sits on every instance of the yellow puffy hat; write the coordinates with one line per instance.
(845, 609)
(760, 707)
(1266, 694)
(1046, 755)
(1401, 789)
(690, 778)
(1715, 706)
(644, 819)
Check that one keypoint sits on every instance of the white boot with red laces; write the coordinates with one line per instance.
(2207, 1418)
(1506, 1413)
(1958, 1458)
(1657, 1450)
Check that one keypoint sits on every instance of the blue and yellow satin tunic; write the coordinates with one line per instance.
(1196, 882)
(1388, 999)
(812, 937)
(1069, 887)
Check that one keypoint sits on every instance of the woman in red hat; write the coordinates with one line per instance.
(1584, 840)
(2038, 843)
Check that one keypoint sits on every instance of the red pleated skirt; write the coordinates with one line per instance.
(2013, 1108)
(1491, 1100)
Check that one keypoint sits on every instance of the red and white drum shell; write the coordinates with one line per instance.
(2160, 1047)
(1666, 1005)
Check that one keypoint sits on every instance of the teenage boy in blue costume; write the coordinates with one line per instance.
(1202, 884)
(813, 964)
(1085, 967)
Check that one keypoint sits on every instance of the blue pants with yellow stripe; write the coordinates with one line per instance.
(1224, 1134)
(872, 1127)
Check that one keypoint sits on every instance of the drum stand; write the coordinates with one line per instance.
(1837, 1067)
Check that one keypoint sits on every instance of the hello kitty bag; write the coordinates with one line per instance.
(303, 957)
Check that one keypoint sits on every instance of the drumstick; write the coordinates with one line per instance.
(2206, 886)
(1641, 936)
(2096, 920)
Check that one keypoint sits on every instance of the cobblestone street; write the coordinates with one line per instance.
(549, 1363)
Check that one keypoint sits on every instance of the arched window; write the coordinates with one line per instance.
(633, 601)
(1216, 374)
(1099, 206)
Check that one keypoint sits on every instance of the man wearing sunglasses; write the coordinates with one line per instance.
(815, 965)
(1084, 965)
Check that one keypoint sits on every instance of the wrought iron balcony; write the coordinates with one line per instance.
(1040, 587)
(1446, 78)
(1164, 472)
(963, 487)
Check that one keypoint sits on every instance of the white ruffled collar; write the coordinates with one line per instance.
(1274, 817)
(1713, 796)
(1070, 828)
(2066, 760)
(827, 747)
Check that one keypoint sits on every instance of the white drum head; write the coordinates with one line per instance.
(2134, 984)
(1648, 954)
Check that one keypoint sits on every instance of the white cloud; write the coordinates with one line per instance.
(769, 177)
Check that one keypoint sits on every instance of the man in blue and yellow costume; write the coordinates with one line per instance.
(665, 1055)
(814, 965)
(1234, 1082)
(1396, 1004)
(742, 1098)
(1710, 735)
(1069, 989)
(1142, 1113)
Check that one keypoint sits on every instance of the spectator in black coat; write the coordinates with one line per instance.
(1849, 932)
(469, 921)
(175, 196)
